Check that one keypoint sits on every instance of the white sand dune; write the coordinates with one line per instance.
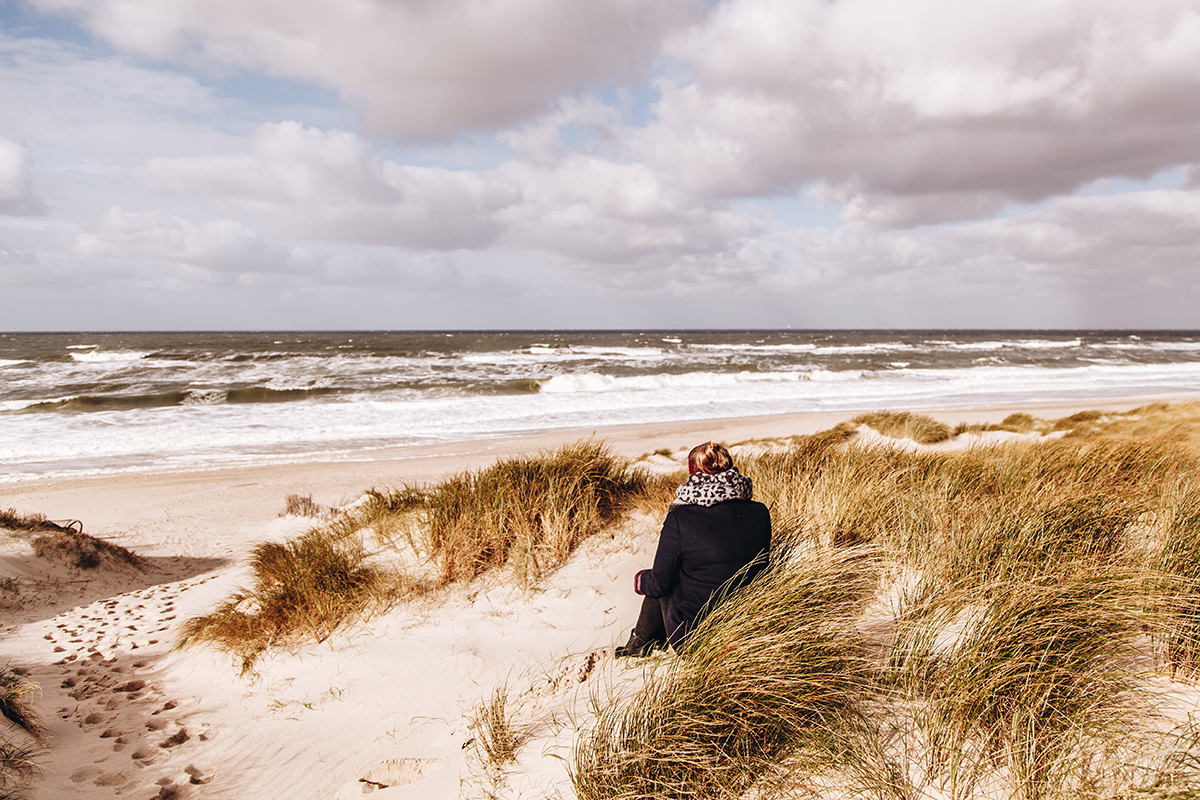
(383, 708)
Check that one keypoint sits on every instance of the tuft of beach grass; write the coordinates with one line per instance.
(494, 731)
(774, 671)
(906, 425)
(297, 505)
(18, 761)
(1031, 678)
(306, 587)
(531, 512)
(67, 541)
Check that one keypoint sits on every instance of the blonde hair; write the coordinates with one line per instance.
(709, 458)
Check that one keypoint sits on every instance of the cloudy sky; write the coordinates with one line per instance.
(340, 164)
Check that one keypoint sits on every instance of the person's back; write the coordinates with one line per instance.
(700, 549)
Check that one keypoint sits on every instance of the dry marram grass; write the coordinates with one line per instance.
(1011, 659)
(531, 512)
(494, 732)
(906, 425)
(306, 587)
(18, 760)
(528, 512)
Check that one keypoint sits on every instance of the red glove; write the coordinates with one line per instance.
(637, 581)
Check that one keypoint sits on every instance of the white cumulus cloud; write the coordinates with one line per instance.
(597, 211)
(16, 182)
(222, 244)
(1080, 246)
(334, 185)
(931, 110)
(421, 67)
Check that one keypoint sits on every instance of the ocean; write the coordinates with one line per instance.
(75, 404)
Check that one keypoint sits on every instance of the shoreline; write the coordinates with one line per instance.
(209, 512)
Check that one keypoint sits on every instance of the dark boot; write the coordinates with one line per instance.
(637, 647)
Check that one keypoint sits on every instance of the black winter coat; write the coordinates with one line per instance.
(699, 549)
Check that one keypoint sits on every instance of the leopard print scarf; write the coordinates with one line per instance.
(708, 490)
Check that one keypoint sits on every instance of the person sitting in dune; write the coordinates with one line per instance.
(713, 531)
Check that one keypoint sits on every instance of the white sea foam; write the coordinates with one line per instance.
(756, 348)
(593, 382)
(1167, 347)
(1025, 344)
(20, 405)
(539, 354)
(107, 358)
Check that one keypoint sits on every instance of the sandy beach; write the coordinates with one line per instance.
(380, 708)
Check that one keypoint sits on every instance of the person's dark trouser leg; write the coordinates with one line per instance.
(651, 623)
(650, 631)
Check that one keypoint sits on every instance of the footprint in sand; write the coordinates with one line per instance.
(196, 776)
(397, 772)
(84, 773)
(167, 706)
(168, 792)
(111, 779)
(174, 740)
(142, 756)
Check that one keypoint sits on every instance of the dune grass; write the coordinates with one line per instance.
(1051, 580)
(531, 512)
(494, 732)
(18, 761)
(1048, 575)
(906, 425)
(84, 551)
(67, 541)
(773, 673)
(303, 505)
(307, 587)
(527, 512)
(15, 705)
(15, 520)
(1035, 677)
(1177, 559)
